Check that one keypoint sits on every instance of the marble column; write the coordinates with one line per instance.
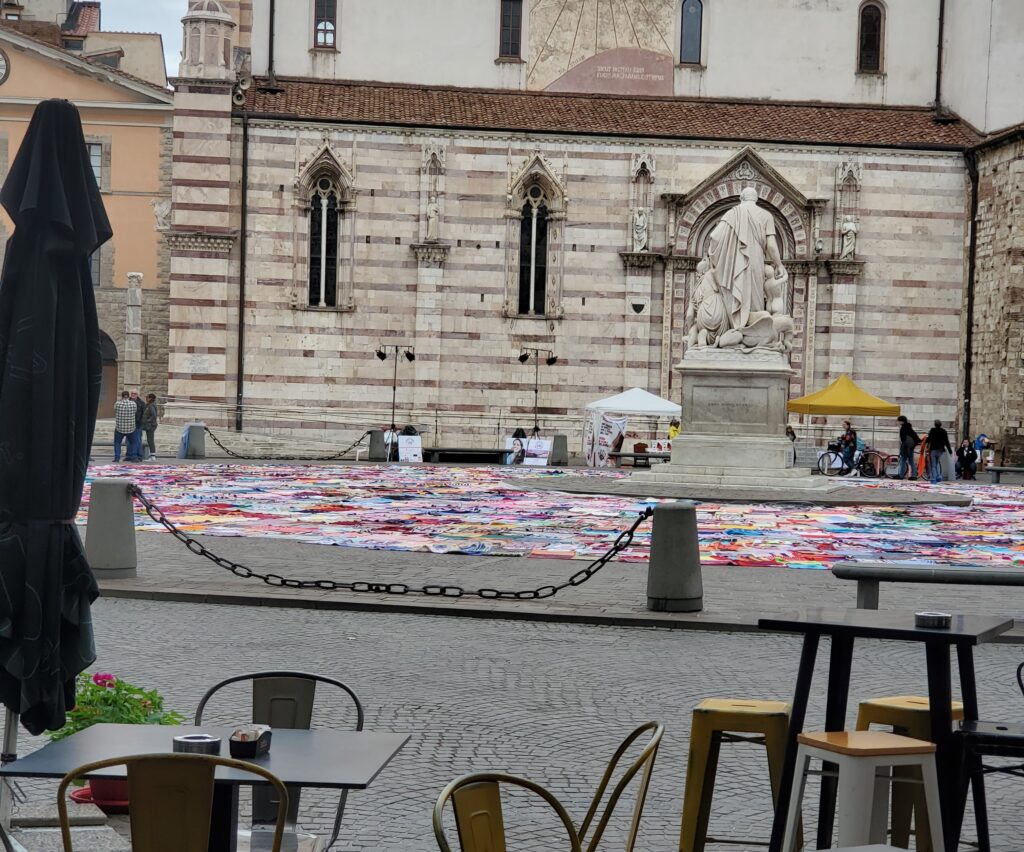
(131, 377)
(430, 260)
(845, 275)
(637, 323)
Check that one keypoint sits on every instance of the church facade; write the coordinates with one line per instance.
(545, 184)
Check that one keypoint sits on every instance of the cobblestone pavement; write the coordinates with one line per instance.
(734, 597)
(547, 700)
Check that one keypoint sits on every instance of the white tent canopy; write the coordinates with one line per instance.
(638, 402)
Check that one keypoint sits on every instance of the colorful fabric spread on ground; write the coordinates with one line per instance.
(487, 510)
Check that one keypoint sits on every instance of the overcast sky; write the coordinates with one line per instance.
(149, 16)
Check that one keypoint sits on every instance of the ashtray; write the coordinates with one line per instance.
(250, 742)
(940, 620)
(196, 744)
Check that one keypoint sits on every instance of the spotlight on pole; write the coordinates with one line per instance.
(524, 357)
(409, 355)
(552, 360)
(382, 354)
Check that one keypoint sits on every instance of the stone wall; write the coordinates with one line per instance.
(895, 326)
(111, 306)
(997, 380)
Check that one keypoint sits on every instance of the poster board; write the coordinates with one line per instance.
(410, 448)
(528, 451)
(601, 433)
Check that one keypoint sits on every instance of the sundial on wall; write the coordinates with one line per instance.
(616, 46)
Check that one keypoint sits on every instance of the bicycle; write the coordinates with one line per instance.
(868, 463)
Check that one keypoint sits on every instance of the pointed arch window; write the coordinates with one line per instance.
(323, 243)
(533, 252)
(869, 47)
(690, 32)
(511, 28)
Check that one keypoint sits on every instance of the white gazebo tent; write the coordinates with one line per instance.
(636, 402)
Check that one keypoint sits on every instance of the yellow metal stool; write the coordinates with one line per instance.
(725, 720)
(907, 715)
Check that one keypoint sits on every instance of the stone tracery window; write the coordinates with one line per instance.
(533, 252)
(690, 32)
(323, 243)
(511, 28)
(869, 47)
(325, 24)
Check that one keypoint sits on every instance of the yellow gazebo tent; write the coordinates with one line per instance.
(843, 396)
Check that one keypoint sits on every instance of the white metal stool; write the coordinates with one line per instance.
(863, 798)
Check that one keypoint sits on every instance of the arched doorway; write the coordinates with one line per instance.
(108, 389)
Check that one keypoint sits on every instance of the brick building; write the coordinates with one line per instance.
(356, 207)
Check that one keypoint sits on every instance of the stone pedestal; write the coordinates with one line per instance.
(734, 422)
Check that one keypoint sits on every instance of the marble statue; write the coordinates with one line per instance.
(739, 299)
(639, 229)
(433, 219)
(162, 213)
(849, 232)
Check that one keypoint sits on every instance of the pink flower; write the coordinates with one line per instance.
(104, 679)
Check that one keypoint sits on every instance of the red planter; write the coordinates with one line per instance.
(110, 795)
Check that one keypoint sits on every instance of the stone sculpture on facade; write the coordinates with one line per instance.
(849, 239)
(433, 219)
(640, 227)
(162, 214)
(739, 299)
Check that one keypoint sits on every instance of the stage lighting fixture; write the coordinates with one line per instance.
(409, 356)
(382, 354)
(552, 360)
(524, 357)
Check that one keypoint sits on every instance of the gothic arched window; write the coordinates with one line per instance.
(511, 28)
(325, 24)
(533, 252)
(869, 48)
(691, 25)
(323, 243)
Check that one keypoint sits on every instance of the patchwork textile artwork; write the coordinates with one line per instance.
(491, 511)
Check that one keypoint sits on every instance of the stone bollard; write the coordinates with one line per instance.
(196, 441)
(559, 450)
(674, 582)
(378, 449)
(110, 531)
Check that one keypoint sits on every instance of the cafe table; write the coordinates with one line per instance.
(843, 626)
(307, 758)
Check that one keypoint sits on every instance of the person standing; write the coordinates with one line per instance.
(909, 439)
(966, 460)
(848, 444)
(135, 445)
(124, 426)
(150, 420)
(673, 428)
(938, 446)
(791, 434)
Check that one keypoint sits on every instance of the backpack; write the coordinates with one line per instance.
(860, 443)
(916, 437)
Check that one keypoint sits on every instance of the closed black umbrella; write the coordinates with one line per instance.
(50, 373)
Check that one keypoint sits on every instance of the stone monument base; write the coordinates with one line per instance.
(733, 424)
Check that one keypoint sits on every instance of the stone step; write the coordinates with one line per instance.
(44, 814)
(91, 839)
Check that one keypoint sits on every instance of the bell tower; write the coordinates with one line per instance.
(207, 43)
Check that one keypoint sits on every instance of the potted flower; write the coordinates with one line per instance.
(104, 698)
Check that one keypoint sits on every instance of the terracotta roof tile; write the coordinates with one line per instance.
(84, 18)
(490, 109)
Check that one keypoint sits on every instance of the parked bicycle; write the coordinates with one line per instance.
(868, 462)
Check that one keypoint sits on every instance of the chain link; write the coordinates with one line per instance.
(335, 457)
(624, 540)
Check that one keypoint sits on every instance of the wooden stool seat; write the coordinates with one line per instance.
(727, 720)
(909, 715)
(865, 743)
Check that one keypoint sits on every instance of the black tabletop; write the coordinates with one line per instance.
(317, 758)
(873, 624)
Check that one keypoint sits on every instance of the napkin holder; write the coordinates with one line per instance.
(250, 742)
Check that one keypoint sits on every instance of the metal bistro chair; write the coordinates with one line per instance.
(989, 739)
(476, 801)
(172, 799)
(285, 699)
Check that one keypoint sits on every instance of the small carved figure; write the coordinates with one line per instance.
(162, 213)
(639, 229)
(849, 231)
(433, 219)
(706, 316)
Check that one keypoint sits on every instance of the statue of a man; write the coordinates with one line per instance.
(433, 219)
(639, 229)
(739, 247)
(849, 231)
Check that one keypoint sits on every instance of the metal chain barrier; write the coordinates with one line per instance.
(624, 540)
(335, 457)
